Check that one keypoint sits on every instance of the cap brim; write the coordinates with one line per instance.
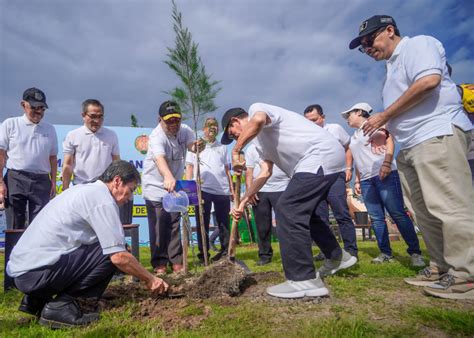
(225, 139)
(356, 42)
(170, 116)
(37, 104)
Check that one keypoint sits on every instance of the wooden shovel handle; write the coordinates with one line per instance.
(235, 223)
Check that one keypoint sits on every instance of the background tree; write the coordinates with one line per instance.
(133, 121)
(197, 93)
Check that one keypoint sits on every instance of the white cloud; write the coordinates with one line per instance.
(284, 52)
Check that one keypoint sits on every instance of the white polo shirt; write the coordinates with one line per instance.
(277, 182)
(174, 149)
(92, 152)
(296, 144)
(28, 145)
(412, 59)
(366, 162)
(82, 215)
(338, 132)
(213, 161)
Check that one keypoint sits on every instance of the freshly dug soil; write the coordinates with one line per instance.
(223, 278)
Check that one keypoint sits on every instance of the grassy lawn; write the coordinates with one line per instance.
(366, 300)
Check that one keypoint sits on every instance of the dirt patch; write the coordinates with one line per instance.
(221, 279)
(182, 313)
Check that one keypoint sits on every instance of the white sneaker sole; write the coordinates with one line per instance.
(419, 282)
(320, 292)
(465, 295)
(344, 265)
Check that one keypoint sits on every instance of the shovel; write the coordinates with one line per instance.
(234, 229)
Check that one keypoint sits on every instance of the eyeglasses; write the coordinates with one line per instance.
(95, 117)
(40, 108)
(369, 41)
(172, 121)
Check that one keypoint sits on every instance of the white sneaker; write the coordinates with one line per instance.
(291, 289)
(331, 266)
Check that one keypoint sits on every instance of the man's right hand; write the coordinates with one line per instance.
(157, 286)
(169, 183)
(3, 192)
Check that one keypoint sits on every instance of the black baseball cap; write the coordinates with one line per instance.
(35, 97)
(169, 109)
(371, 25)
(233, 112)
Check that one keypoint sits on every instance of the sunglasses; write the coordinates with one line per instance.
(369, 41)
(173, 120)
(95, 117)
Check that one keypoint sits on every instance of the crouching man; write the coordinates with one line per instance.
(73, 247)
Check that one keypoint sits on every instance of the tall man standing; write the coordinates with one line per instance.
(90, 149)
(313, 158)
(337, 196)
(28, 149)
(423, 111)
(163, 165)
(216, 186)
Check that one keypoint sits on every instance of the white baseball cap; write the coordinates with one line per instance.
(362, 106)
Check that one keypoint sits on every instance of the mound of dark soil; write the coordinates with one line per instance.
(223, 278)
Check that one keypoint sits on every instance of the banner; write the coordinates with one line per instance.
(133, 144)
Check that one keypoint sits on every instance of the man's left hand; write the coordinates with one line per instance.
(373, 123)
(52, 192)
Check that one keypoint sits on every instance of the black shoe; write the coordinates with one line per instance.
(264, 261)
(32, 305)
(64, 312)
(319, 257)
(219, 256)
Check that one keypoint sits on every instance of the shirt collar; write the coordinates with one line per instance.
(398, 49)
(28, 122)
(87, 131)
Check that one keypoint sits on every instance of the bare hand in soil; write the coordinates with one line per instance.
(158, 286)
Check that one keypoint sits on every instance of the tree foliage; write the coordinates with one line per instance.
(198, 91)
(133, 121)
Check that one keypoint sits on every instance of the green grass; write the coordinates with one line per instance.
(366, 301)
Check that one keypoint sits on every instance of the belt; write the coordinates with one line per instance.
(29, 174)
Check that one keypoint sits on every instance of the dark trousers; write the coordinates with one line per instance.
(221, 209)
(25, 188)
(263, 221)
(299, 223)
(337, 200)
(165, 236)
(85, 272)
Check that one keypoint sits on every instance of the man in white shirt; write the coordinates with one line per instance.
(28, 149)
(73, 247)
(337, 196)
(163, 165)
(216, 186)
(266, 200)
(90, 149)
(313, 158)
(423, 111)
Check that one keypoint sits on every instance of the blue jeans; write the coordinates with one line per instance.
(387, 194)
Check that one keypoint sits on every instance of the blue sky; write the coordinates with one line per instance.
(283, 52)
